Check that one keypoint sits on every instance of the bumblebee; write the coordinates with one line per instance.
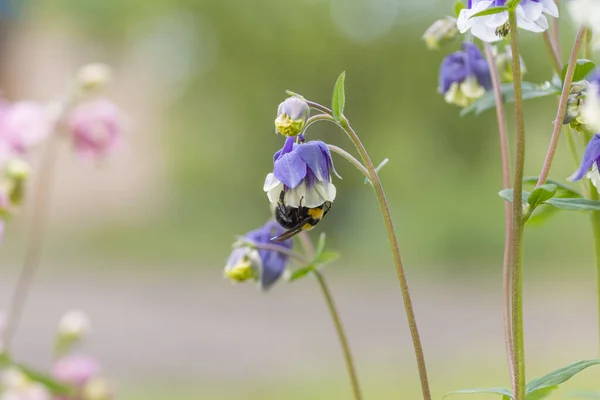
(298, 219)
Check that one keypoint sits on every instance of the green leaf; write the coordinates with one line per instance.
(289, 92)
(501, 391)
(542, 214)
(530, 91)
(301, 272)
(558, 376)
(541, 194)
(320, 245)
(339, 97)
(541, 394)
(54, 386)
(507, 194)
(562, 189)
(326, 257)
(490, 11)
(582, 68)
(458, 6)
(575, 204)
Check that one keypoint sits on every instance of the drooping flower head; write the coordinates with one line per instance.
(303, 171)
(291, 116)
(531, 16)
(96, 127)
(264, 266)
(440, 32)
(590, 111)
(22, 125)
(589, 164)
(84, 373)
(464, 76)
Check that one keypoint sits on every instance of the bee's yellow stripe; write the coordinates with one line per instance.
(316, 213)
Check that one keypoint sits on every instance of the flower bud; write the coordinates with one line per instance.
(574, 102)
(242, 265)
(504, 64)
(291, 116)
(73, 327)
(93, 77)
(441, 32)
(97, 389)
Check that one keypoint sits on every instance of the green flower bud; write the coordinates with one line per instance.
(93, 77)
(504, 64)
(242, 265)
(291, 116)
(440, 32)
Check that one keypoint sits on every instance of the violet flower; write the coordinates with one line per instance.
(591, 158)
(464, 76)
(303, 172)
(265, 266)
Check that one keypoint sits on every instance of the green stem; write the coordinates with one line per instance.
(341, 334)
(504, 152)
(562, 107)
(518, 223)
(350, 158)
(385, 210)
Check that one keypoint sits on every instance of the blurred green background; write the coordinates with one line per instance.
(201, 81)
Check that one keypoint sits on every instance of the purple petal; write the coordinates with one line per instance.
(477, 65)
(327, 154)
(273, 262)
(453, 70)
(591, 155)
(313, 156)
(288, 146)
(290, 169)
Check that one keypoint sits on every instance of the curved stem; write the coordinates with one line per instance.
(351, 159)
(518, 222)
(341, 334)
(504, 151)
(35, 243)
(553, 52)
(562, 106)
(556, 31)
(387, 218)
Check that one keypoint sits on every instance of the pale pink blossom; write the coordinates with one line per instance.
(23, 125)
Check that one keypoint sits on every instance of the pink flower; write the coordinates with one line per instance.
(76, 370)
(22, 125)
(96, 127)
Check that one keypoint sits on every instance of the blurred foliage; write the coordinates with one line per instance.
(444, 171)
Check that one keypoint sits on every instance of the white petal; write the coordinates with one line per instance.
(590, 111)
(484, 32)
(293, 197)
(530, 11)
(270, 182)
(550, 8)
(313, 197)
(327, 190)
(464, 23)
(274, 193)
(594, 176)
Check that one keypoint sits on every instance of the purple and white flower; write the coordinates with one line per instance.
(531, 16)
(265, 266)
(303, 172)
(589, 164)
(291, 116)
(464, 76)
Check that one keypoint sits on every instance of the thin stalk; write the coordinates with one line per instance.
(339, 328)
(504, 151)
(385, 210)
(562, 107)
(553, 52)
(350, 158)
(518, 223)
(37, 230)
(277, 248)
(556, 31)
(587, 46)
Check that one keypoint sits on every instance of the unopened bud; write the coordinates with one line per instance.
(73, 327)
(291, 116)
(92, 77)
(18, 170)
(440, 32)
(504, 64)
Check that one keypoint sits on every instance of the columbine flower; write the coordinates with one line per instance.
(591, 157)
(265, 266)
(23, 124)
(464, 76)
(590, 111)
(490, 28)
(303, 171)
(291, 116)
(586, 12)
(85, 374)
(96, 127)
(442, 31)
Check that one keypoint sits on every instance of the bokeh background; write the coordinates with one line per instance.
(140, 241)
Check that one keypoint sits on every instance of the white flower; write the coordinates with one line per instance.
(590, 111)
(586, 12)
(530, 16)
(74, 324)
(301, 195)
(594, 176)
